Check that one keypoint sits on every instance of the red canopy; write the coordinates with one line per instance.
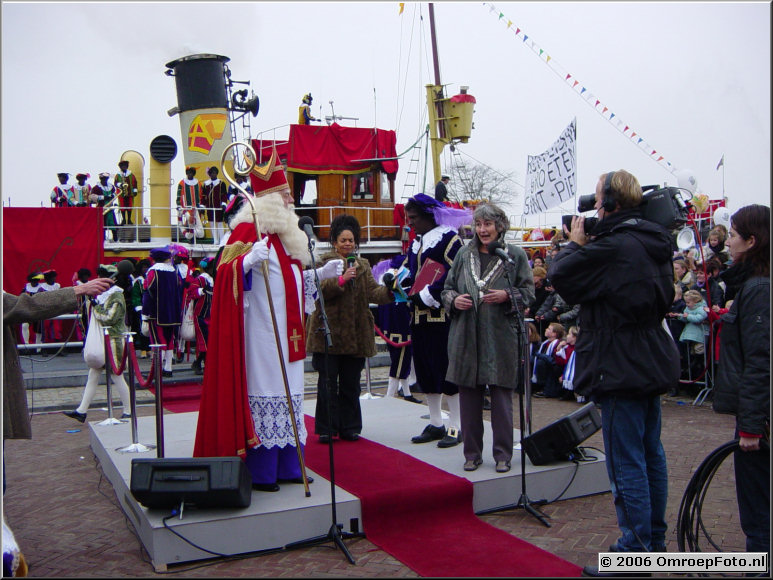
(319, 149)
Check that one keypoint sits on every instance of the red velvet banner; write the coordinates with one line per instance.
(319, 149)
(40, 238)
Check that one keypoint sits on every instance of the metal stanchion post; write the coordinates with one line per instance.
(368, 394)
(156, 348)
(136, 446)
(108, 380)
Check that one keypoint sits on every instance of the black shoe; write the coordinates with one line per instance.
(486, 404)
(594, 571)
(179, 359)
(324, 438)
(673, 392)
(309, 478)
(400, 392)
(430, 433)
(166, 373)
(265, 486)
(75, 415)
(540, 395)
(412, 399)
(196, 368)
(349, 436)
(449, 441)
(126, 416)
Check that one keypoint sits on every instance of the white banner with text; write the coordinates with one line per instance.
(551, 177)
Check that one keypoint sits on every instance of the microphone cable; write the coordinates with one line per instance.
(689, 524)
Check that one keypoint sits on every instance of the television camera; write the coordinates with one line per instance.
(661, 205)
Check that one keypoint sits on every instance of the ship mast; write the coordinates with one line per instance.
(435, 98)
(450, 120)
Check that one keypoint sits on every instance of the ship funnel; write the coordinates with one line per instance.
(201, 81)
(163, 150)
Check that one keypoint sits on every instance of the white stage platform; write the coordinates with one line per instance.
(274, 520)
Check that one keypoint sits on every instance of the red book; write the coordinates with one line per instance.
(430, 271)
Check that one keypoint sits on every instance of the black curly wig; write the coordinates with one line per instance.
(342, 223)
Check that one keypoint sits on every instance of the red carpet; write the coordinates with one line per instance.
(423, 516)
(180, 397)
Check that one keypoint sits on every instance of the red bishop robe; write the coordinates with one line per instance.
(225, 425)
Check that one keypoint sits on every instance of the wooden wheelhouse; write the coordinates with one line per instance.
(335, 170)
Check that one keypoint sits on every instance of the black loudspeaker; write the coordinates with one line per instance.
(609, 202)
(557, 441)
(200, 481)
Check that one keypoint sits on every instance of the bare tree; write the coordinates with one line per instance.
(475, 181)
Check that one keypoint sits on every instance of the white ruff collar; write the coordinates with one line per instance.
(102, 298)
(163, 267)
(208, 278)
(275, 218)
(127, 174)
(212, 182)
(193, 181)
(430, 239)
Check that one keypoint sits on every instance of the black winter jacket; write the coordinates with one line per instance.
(623, 281)
(742, 385)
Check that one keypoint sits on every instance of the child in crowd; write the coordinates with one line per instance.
(708, 284)
(675, 327)
(564, 357)
(546, 373)
(714, 316)
(715, 247)
(694, 315)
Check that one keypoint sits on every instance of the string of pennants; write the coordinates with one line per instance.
(578, 87)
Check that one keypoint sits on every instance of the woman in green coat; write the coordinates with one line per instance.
(485, 296)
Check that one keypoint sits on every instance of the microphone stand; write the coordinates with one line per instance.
(525, 391)
(335, 533)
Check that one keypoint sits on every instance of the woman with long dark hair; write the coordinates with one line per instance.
(742, 385)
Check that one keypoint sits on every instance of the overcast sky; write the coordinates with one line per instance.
(82, 83)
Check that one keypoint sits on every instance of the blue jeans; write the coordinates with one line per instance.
(636, 465)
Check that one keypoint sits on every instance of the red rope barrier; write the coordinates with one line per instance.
(109, 356)
(143, 383)
(389, 342)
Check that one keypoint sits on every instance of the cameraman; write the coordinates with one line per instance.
(622, 277)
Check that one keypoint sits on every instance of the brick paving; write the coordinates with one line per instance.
(66, 518)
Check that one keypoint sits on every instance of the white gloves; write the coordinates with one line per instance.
(332, 269)
(258, 253)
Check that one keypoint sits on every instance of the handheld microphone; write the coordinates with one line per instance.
(498, 249)
(351, 260)
(306, 224)
(124, 267)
